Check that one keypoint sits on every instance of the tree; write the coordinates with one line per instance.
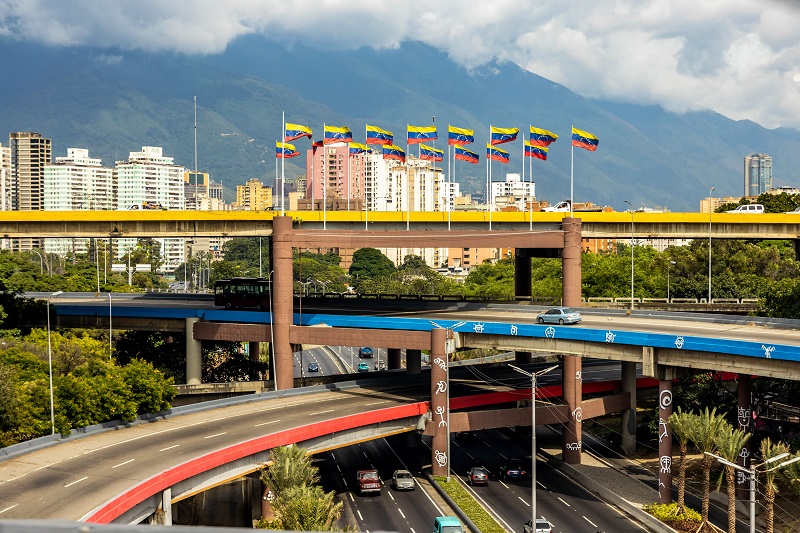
(769, 450)
(729, 442)
(681, 422)
(289, 466)
(369, 263)
(703, 429)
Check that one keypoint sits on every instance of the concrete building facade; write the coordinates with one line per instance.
(757, 174)
(253, 196)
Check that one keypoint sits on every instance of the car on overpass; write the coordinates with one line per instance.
(363, 367)
(559, 315)
(313, 367)
(365, 351)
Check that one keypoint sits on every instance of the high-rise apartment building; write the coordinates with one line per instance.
(30, 152)
(6, 183)
(757, 174)
(253, 196)
(512, 191)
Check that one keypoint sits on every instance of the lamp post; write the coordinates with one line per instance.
(50, 364)
(632, 245)
(710, 212)
(110, 328)
(272, 332)
(669, 265)
(752, 472)
(41, 261)
(533, 375)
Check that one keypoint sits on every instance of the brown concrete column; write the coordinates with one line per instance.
(440, 416)
(282, 303)
(664, 441)
(413, 361)
(254, 348)
(522, 287)
(629, 415)
(194, 354)
(573, 396)
(394, 360)
(745, 423)
(571, 262)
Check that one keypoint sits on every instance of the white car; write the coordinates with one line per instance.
(403, 480)
(560, 207)
(748, 208)
(542, 526)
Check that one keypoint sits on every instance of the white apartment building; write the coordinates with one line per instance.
(151, 178)
(6, 183)
(76, 182)
(512, 191)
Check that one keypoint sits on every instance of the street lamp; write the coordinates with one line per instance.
(110, 328)
(50, 364)
(752, 471)
(710, 212)
(41, 261)
(632, 211)
(669, 265)
(533, 375)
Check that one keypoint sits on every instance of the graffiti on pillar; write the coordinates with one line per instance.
(666, 464)
(441, 387)
(745, 455)
(440, 457)
(440, 363)
(440, 412)
(744, 418)
(610, 336)
(550, 332)
(574, 446)
(662, 430)
(665, 399)
(768, 351)
(741, 477)
(514, 330)
(679, 342)
(478, 328)
(578, 375)
(578, 414)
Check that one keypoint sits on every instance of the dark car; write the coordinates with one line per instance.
(512, 470)
(542, 526)
(365, 351)
(478, 475)
(313, 367)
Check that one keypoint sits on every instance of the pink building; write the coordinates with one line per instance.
(334, 174)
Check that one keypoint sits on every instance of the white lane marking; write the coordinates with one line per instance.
(321, 412)
(412, 530)
(593, 524)
(390, 496)
(359, 515)
(502, 483)
(523, 501)
(215, 435)
(376, 403)
(562, 501)
(401, 513)
(122, 464)
(339, 468)
(169, 447)
(76, 481)
(352, 498)
(266, 423)
(8, 508)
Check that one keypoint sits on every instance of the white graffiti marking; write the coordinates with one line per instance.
(666, 464)
(745, 455)
(610, 337)
(514, 330)
(662, 430)
(440, 412)
(550, 332)
(574, 446)
(741, 477)
(441, 387)
(679, 342)
(441, 458)
(579, 375)
(440, 363)
(768, 351)
(665, 399)
(578, 414)
(744, 417)
(478, 328)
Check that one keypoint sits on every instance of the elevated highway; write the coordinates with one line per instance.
(617, 225)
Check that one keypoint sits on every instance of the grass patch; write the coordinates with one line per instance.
(687, 521)
(464, 500)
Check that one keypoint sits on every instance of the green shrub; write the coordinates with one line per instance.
(464, 501)
(669, 514)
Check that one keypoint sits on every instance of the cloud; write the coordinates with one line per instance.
(738, 57)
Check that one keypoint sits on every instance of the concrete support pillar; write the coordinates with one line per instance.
(166, 506)
(571, 263)
(664, 441)
(745, 423)
(440, 405)
(194, 355)
(266, 502)
(254, 349)
(573, 396)
(628, 429)
(522, 287)
(413, 361)
(282, 301)
(394, 359)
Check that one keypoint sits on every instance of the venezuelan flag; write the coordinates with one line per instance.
(460, 136)
(391, 151)
(357, 148)
(429, 153)
(496, 153)
(465, 155)
(504, 135)
(337, 134)
(375, 135)
(584, 139)
(285, 150)
(295, 131)
(540, 137)
(420, 134)
(539, 152)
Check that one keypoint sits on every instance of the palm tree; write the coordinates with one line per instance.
(729, 443)
(680, 423)
(703, 428)
(769, 450)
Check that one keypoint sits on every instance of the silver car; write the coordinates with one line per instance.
(559, 315)
(403, 480)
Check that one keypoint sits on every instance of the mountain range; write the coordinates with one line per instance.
(114, 102)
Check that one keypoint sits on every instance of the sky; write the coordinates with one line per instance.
(740, 58)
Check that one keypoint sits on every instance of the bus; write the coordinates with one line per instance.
(242, 292)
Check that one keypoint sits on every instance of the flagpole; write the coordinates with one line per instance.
(408, 183)
(275, 181)
(449, 176)
(324, 194)
(571, 176)
(283, 159)
(349, 175)
(313, 185)
(530, 184)
(366, 205)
